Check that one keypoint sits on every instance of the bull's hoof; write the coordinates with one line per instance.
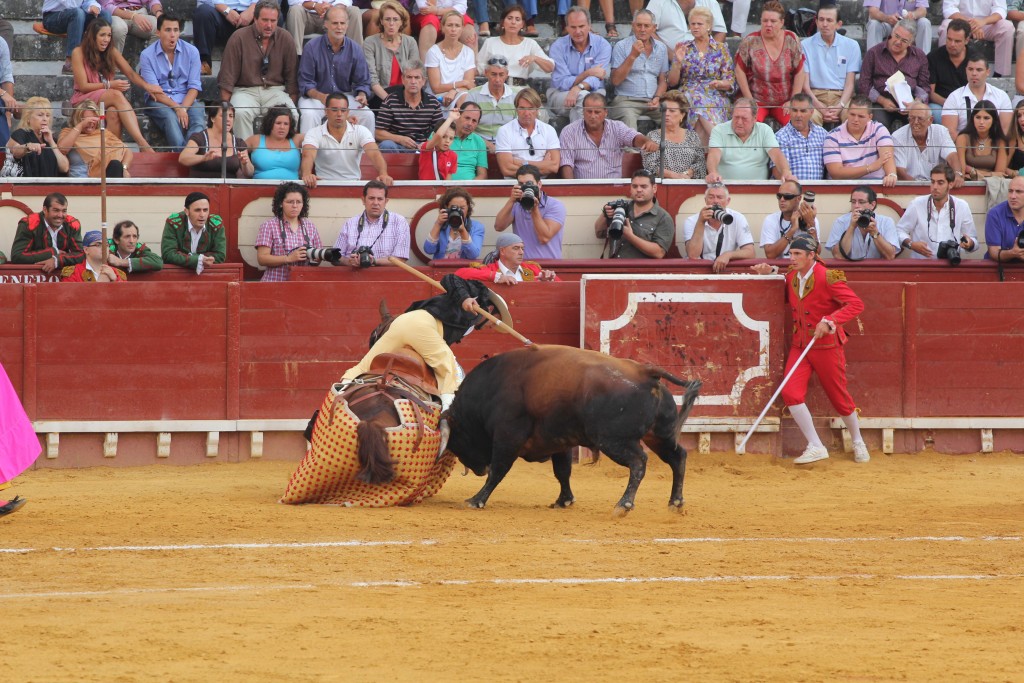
(622, 510)
(675, 504)
(562, 503)
(475, 504)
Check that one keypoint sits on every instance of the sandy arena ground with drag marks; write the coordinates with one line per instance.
(909, 568)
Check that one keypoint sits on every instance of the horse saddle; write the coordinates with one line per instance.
(407, 365)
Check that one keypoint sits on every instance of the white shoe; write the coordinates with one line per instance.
(860, 452)
(812, 454)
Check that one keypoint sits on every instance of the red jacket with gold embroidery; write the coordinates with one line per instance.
(485, 273)
(32, 242)
(826, 295)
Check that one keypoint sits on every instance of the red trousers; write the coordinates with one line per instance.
(780, 114)
(830, 367)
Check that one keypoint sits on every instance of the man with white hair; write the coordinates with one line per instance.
(884, 14)
(898, 54)
(718, 233)
(741, 148)
(922, 144)
(639, 73)
(505, 265)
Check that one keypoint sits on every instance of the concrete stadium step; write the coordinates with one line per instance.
(32, 9)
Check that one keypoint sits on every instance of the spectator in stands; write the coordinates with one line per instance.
(947, 66)
(453, 236)
(284, 241)
(1015, 142)
(740, 149)
(496, 100)
(771, 81)
(882, 61)
(259, 69)
(94, 64)
(987, 19)
(1004, 223)
(923, 144)
(671, 15)
(951, 215)
(427, 23)
(801, 140)
(508, 266)
(962, 100)
(481, 15)
(174, 66)
(194, 238)
(377, 229)
(883, 15)
(703, 69)
(276, 150)
(523, 56)
(205, 151)
(7, 33)
(581, 65)
(137, 17)
(310, 16)
(92, 268)
(126, 252)
(437, 161)
(873, 238)
(334, 63)
(468, 146)
(527, 140)
(639, 73)
(407, 118)
(1015, 15)
(337, 147)
(832, 62)
(795, 217)
(32, 144)
(389, 52)
(51, 239)
(215, 21)
(8, 104)
(647, 231)
(451, 66)
(981, 146)
(71, 17)
(539, 223)
(710, 238)
(593, 146)
(860, 147)
(81, 143)
(681, 150)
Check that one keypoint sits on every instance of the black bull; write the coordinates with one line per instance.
(539, 402)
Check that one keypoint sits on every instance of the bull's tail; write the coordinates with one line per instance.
(375, 463)
(659, 373)
(689, 398)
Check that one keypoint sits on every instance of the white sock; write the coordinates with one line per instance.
(446, 401)
(802, 417)
(853, 424)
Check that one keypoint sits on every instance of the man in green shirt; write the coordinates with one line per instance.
(470, 147)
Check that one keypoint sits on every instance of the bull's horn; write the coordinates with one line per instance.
(446, 432)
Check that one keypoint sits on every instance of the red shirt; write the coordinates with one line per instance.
(825, 296)
(447, 163)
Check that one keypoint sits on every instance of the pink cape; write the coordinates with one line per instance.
(19, 446)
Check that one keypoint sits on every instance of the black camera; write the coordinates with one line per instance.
(330, 254)
(618, 219)
(865, 218)
(719, 214)
(1020, 239)
(365, 257)
(809, 197)
(530, 194)
(456, 218)
(950, 250)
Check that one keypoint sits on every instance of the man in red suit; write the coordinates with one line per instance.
(506, 264)
(820, 302)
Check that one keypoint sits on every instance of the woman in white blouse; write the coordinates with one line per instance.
(522, 54)
(451, 69)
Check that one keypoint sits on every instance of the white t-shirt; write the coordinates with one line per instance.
(956, 105)
(451, 69)
(512, 138)
(774, 226)
(737, 234)
(493, 47)
(338, 159)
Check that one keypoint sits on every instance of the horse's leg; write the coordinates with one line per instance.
(375, 463)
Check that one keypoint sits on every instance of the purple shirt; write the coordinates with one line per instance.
(328, 71)
(1001, 228)
(879, 64)
(522, 225)
(595, 161)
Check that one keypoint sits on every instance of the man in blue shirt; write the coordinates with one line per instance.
(581, 65)
(71, 17)
(1005, 223)
(332, 63)
(832, 63)
(174, 65)
(801, 140)
(639, 73)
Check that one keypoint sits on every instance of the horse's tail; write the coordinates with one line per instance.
(375, 463)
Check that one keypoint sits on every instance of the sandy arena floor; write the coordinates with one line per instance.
(910, 568)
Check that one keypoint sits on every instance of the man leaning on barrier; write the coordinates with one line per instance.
(194, 238)
(717, 233)
(638, 227)
(375, 234)
(938, 225)
(1004, 225)
(51, 238)
(537, 217)
(861, 233)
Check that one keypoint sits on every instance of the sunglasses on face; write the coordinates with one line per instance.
(170, 77)
(785, 195)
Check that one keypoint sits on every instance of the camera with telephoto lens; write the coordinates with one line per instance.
(950, 250)
(865, 218)
(365, 257)
(330, 254)
(456, 218)
(618, 219)
(809, 197)
(719, 214)
(530, 194)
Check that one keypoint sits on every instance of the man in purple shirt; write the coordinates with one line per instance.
(592, 147)
(540, 223)
(334, 63)
(581, 61)
(883, 60)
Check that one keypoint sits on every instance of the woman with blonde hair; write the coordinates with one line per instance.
(683, 153)
(32, 145)
(80, 141)
(704, 69)
(388, 51)
(451, 67)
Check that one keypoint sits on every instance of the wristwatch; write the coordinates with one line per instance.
(227, 11)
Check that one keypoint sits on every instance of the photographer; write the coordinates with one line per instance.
(288, 239)
(718, 233)
(534, 215)
(796, 216)
(938, 225)
(862, 234)
(1004, 225)
(454, 234)
(371, 237)
(643, 229)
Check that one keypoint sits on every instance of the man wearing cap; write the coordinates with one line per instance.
(94, 267)
(194, 238)
(505, 265)
(820, 302)
(51, 238)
